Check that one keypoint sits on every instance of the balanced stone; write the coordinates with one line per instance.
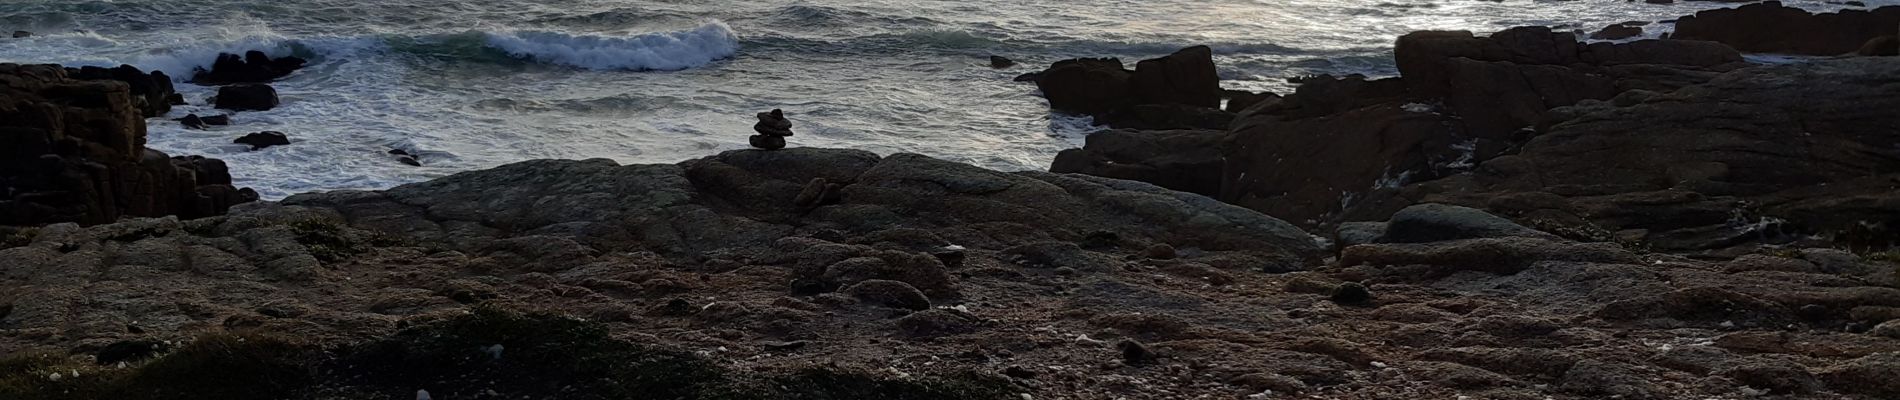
(772, 128)
(773, 123)
(768, 142)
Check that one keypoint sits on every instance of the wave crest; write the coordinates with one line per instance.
(664, 51)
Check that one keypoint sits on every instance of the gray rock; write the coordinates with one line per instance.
(1597, 377)
(1871, 375)
(1357, 233)
(247, 97)
(937, 322)
(1777, 375)
(1425, 223)
(890, 293)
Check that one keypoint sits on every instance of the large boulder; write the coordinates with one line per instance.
(261, 140)
(247, 97)
(1182, 83)
(73, 150)
(1086, 86)
(1770, 27)
(1425, 223)
(1186, 77)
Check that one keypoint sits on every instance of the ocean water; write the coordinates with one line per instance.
(475, 84)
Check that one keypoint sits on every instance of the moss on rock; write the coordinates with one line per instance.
(488, 352)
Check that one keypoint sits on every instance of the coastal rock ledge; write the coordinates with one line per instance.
(1018, 282)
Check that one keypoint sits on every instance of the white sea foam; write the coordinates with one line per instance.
(664, 51)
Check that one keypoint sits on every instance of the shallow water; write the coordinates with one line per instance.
(471, 85)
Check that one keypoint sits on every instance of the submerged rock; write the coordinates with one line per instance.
(1000, 62)
(261, 140)
(194, 121)
(253, 67)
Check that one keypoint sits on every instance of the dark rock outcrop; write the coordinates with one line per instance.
(253, 67)
(73, 150)
(1338, 148)
(247, 97)
(1186, 77)
(1178, 91)
(1093, 86)
(1770, 27)
(151, 92)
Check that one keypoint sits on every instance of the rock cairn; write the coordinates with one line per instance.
(772, 128)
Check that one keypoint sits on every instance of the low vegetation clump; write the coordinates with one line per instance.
(489, 353)
(330, 241)
(11, 237)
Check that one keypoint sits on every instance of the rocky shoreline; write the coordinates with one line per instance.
(1517, 216)
(1679, 145)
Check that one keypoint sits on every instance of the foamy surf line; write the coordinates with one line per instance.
(659, 51)
(664, 51)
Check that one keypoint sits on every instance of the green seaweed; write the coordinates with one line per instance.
(237, 367)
